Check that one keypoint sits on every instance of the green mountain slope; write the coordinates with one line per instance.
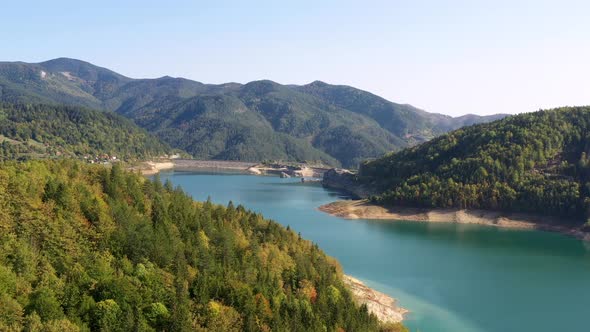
(404, 121)
(536, 162)
(86, 248)
(261, 119)
(48, 131)
(221, 127)
(62, 80)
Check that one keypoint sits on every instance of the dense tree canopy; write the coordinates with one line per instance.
(28, 131)
(86, 247)
(536, 162)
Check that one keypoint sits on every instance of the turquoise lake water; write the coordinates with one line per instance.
(451, 277)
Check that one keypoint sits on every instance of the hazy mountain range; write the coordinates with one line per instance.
(260, 120)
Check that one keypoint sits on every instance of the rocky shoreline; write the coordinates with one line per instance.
(383, 306)
(362, 209)
(286, 171)
(296, 170)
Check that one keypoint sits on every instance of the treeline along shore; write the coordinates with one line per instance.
(530, 170)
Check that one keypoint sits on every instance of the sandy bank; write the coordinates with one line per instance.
(381, 305)
(151, 167)
(303, 171)
(361, 209)
(154, 167)
(189, 164)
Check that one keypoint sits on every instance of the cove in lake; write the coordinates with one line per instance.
(452, 277)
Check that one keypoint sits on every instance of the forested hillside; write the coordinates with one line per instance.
(223, 127)
(536, 162)
(85, 247)
(260, 120)
(34, 131)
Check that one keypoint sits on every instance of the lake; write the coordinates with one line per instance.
(451, 277)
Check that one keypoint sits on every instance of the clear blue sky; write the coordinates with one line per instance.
(451, 57)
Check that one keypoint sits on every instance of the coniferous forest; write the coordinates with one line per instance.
(85, 247)
(535, 162)
(300, 166)
(30, 131)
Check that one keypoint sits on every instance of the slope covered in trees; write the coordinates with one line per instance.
(85, 247)
(28, 131)
(222, 127)
(254, 121)
(536, 162)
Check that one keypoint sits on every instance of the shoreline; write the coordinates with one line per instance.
(154, 167)
(190, 164)
(151, 167)
(252, 168)
(383, 306)
(362, 209)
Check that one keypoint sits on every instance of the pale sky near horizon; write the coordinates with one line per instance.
(451, 57)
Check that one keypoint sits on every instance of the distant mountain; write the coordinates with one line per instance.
(534, 162)
(339, 125)
(61, 81)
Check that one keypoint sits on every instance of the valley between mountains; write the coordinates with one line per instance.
(259, 121)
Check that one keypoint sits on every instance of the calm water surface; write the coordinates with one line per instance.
(451, 277)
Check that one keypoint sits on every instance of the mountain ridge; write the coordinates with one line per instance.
(336, 124)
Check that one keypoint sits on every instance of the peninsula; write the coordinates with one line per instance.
(527, 171)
